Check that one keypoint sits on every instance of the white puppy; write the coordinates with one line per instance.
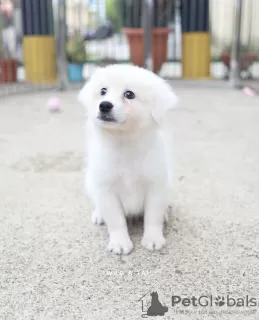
(128, 154)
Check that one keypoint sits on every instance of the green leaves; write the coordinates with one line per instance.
(76, 51)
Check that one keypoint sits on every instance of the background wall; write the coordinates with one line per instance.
(222, 23)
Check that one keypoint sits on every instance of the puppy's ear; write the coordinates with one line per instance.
(165, 101)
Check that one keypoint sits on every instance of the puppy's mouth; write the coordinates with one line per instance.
(106, 118)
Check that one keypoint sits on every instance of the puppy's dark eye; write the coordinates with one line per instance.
(103, 91)
(129, 95)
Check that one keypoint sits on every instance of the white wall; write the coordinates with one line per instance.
(222, 22)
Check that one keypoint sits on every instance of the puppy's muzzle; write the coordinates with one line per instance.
(105, 114)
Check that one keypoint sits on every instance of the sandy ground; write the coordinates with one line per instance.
(53, 262)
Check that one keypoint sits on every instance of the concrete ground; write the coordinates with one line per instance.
(53, 262)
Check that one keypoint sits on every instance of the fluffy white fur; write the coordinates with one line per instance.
(129, 164)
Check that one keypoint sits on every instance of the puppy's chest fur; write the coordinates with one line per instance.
(130, 183)
(126, 169)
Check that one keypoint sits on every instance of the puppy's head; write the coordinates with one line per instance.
(125, 97)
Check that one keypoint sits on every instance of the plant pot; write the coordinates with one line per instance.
(137, 48)
(246, 59)
(8, 70)
(75, 72)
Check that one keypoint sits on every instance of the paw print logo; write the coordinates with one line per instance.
(219, 301)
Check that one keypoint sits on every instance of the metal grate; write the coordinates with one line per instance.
(50, 44)
(28, 59)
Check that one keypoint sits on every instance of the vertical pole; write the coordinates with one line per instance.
(196, 39)
(148, 26)
(1, 36)
(39, 45)
(234, 66)
(61, 44)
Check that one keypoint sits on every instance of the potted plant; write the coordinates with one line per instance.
(76, 57)
(246, 59)
(8, 65)
(132, 22)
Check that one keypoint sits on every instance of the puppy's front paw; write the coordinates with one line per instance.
(120, 243)
(153, 239)
(97, 218)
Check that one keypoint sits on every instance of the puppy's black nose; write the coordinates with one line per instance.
(105, 106)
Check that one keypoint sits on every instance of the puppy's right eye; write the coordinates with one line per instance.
(103, 91)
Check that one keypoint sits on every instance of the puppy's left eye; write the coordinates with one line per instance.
(103, 91)
(129, 95)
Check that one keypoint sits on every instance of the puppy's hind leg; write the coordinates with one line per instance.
(97, 217)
